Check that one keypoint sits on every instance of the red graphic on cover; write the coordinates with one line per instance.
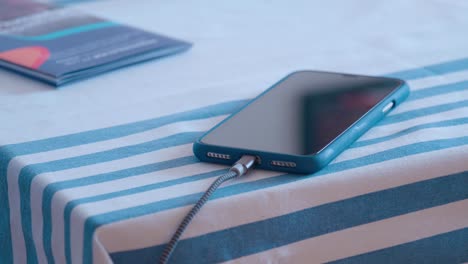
(31, 57)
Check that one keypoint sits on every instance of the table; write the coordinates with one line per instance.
(102, 170)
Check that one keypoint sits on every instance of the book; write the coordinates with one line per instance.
(59, 45)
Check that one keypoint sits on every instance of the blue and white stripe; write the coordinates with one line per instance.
(118, 193)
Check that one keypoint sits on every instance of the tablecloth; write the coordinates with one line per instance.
(102, 170)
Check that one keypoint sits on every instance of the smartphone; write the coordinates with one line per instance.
(303, 121)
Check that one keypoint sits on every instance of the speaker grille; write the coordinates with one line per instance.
(218, 155)
(287, 164)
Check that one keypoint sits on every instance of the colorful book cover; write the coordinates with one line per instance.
(59, 45)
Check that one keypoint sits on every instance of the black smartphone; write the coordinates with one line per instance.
(302, 122)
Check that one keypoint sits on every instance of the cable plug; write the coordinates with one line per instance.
(243, 165)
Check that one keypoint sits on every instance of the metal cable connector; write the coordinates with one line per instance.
(243, 165)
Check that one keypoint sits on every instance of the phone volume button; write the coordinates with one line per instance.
(389, 106)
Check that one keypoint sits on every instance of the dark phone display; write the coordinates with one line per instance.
(303, 113)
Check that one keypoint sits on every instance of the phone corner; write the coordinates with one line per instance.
(197, 148)
(403, 92)
(309, 164)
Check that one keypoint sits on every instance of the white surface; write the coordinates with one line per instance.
(240, 48)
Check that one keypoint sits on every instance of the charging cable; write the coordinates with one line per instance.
(240, 168)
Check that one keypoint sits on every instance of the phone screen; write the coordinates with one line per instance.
(303, 113)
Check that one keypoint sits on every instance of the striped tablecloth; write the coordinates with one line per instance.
(103, 170)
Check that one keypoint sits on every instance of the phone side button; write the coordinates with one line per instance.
(388, 107)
